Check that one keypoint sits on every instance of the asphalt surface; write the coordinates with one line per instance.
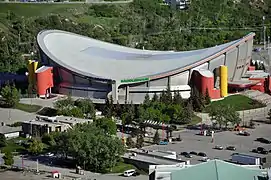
(197, 143)
(43, 165)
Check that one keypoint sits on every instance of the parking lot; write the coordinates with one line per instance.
(192, 142)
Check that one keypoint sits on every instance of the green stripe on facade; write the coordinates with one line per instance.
(134, 80)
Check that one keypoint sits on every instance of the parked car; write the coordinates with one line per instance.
(193, 153)
(254, 151)
(231, 148)
(260, 149)
(218, 147)
(263, 140)
(129, 173)
(243, 133)
(264, 152)
(202, 154)
(205, 159)
(186, 154)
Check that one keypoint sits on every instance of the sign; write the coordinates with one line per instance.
(134, 80)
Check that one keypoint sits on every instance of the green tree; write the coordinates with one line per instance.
(10, 95)
(139, 141)
(217, 113)
(147, 100)
(107, 124)
(90, 146)
(118, 109)
(156, 138)
(36, 147)
(155, 98)
(177, 99)
(48, 139)
(87, 107)
(8, 158)
(3, 141)
(66, 103)
(207, 97)
(129, 142)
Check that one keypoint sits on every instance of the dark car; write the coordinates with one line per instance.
(186, 154)
(270, 150)
(193, 152)
(263, 140)
(260, 149)
(254, 151)
(136, 174)
(231, 148)
(264, 152)
(202, 154)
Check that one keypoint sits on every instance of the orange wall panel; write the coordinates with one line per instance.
(44, 81)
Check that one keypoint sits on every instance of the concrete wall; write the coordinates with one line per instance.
(12, 135)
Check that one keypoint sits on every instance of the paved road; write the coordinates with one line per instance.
(70, 172)
(75, 2)
(193, 142)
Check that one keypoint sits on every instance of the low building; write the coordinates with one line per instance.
(43, 124)
(211, 170)
(10, 132)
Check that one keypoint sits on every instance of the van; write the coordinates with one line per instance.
(129, 173)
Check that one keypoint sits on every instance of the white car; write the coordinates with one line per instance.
(49, 154)
(129, 172)
(219, 147)
(205, 159)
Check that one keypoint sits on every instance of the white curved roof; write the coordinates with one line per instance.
(94, 58)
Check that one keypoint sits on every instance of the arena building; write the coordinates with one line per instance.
(85, 67)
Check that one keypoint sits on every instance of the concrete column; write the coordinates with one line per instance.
(115, 94)
(127, 89)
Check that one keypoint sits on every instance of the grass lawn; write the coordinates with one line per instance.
(27, 107)
(195, 120)
(238, 102)
(121, 167)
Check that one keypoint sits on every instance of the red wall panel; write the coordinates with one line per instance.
(202, 83)
(44, 81)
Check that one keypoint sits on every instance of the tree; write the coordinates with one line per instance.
(118, 109)
(155, 98)
(109, 107)
(107, 124)
(177, 99)
(87, 107)
(3, 141)
(147, 100)
(48, 139)
(8, 158)
(10, 95)
(36, 147)
(207, 97)
(217, 113)
(156, 138)
(197, 99)
(65, 103)
(139, 141)
(129, 142)
(92, 148)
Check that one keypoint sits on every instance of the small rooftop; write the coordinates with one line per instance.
(42, 69)
(8, 129)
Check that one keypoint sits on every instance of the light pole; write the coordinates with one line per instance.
(264, 34)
